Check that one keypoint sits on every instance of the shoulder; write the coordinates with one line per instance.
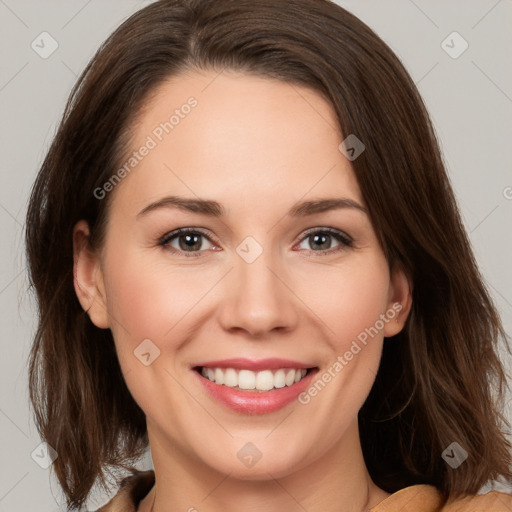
(493, 501)
(427, 498)
(131, 491)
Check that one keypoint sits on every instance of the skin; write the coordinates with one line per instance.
(257, 146)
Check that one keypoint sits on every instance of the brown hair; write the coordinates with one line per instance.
(437, 377)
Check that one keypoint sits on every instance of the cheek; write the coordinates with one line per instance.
(150, 299)
(348, 298)
(358, 296)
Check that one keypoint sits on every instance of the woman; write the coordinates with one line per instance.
(205, 151)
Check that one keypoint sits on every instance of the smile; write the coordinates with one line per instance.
(246, 380)
(254, 387)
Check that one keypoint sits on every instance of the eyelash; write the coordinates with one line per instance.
(345, 240)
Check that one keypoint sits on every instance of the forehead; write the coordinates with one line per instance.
(233, 136)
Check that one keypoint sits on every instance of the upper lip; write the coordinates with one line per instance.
(253, 364)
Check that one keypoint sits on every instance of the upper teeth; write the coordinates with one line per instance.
(247, 379)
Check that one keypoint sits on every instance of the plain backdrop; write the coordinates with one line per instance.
(468, 94)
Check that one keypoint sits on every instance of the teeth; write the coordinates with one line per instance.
(264, 380)
(246, 379)
(219, 376)
(279, 379)
(289, 378)
(230, 377)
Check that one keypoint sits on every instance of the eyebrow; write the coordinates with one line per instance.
(215, 209)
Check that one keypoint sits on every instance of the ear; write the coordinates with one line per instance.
(88, 277)
(400, 302)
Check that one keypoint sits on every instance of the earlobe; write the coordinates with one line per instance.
(400, 302)
(88, 277)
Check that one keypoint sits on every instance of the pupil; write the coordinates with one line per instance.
(190, 242)
(317, 237)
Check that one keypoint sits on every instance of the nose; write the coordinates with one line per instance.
(258, 298)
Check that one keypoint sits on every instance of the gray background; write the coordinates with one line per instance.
(469, 98)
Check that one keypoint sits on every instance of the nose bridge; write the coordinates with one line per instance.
(258, 301)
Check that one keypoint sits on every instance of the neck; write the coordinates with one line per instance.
(336, 481)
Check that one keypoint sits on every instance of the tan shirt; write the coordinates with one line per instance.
(416, 498)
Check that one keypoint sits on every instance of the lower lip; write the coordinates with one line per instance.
(256, 402)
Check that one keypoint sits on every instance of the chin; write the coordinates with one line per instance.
(258, 461)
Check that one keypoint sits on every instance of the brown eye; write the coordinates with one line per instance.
(321, 241)
(185, 241)
(190, 242)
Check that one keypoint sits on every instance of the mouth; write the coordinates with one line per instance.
(248, 380)
(254, 387)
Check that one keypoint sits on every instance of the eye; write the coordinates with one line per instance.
(190, 241)
(185, 240)
(322, 239)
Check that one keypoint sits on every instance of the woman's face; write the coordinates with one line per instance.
(255, 278)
